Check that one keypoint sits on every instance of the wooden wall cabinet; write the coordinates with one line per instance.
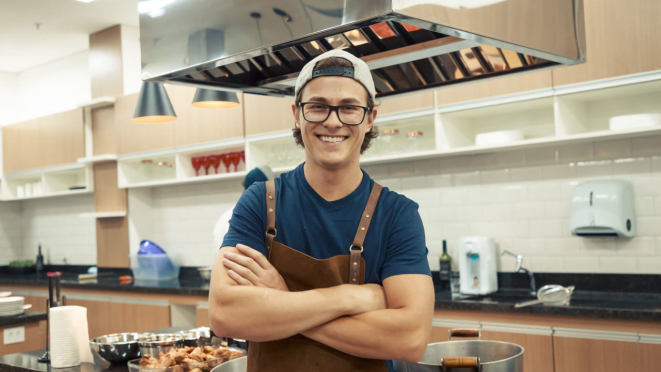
(405, 103)
(21, 149)
(62, 138)
(621, 38)
(263, 114)
(51, 140)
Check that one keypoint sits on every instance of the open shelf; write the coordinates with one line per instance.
(279, 152)
(532, 119)
(590, 111)
(69, 179)
(98, 159)
(103, 214)
(398, 143)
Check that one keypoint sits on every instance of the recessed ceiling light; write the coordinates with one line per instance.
(84, 1)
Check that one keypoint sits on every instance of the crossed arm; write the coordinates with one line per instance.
(248, 299)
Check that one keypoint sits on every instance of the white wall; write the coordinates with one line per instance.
(54, 87)
(519, 197)
(10, 232)
(131, 63)
(8, 97)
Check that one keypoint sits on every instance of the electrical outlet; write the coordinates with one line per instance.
(13, 335)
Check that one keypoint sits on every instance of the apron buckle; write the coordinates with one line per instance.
(352, 246)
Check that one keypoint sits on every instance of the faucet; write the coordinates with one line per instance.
(519, 262)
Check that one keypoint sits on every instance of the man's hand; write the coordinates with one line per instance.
(253, 269)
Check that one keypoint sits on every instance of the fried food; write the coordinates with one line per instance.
(181, 357)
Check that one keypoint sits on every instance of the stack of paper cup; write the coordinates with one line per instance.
(69, 337)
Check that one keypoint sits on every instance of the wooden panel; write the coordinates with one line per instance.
(621, 38)
(107, 196)
(552, 321)
(406, 103)
(62, 137)
(140, 137)
(538, 350)
(650, 357)
(104, 130)
(263, 114)
(20, 146)
(105, 61)
(585, 355)
(112, 242)
(494, 87)
(202, 317)
(196, 125)
(115, 317)
(35, 339)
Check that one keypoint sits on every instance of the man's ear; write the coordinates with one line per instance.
(293, 110)
(370, 120)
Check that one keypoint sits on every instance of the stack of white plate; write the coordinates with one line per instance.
(11, 306)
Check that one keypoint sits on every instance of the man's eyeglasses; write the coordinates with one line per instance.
(316, 112)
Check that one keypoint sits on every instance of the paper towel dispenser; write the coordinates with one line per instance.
(602, 208)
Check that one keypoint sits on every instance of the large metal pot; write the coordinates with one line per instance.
(473, 355)
(236, 365)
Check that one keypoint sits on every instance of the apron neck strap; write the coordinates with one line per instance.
(271, 232)
(357, 246)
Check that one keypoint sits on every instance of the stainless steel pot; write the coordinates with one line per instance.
(473, 355)
(236, 365)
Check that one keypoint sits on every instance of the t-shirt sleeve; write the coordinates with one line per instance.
(248, 222)
(406, 252)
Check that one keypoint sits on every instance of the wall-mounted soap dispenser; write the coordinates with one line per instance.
(602, 208)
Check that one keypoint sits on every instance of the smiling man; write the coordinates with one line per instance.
(339, 281)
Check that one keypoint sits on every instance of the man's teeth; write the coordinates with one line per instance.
(332, 139)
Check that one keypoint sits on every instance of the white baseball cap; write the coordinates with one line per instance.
(361, 72)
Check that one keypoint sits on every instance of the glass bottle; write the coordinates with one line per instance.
(414, 142)
(391, 142)
(446, 267)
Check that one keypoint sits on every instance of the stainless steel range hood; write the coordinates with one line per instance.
(260, 46)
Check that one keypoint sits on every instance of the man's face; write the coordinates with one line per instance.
(332, 144)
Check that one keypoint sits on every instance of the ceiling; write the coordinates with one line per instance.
(64, 30)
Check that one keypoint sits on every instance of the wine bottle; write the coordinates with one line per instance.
(446, 267)
(40, 261)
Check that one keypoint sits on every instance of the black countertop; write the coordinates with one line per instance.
(28, 361)
(26, 317)
(608, 301)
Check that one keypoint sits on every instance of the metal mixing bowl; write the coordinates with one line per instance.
(235, 365)
(117, 347)
(155, 343)
(198, 336)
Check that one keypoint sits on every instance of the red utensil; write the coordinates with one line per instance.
(235, 157)
(197, 163)
(206, 163)
(215, 161)
(227, 160)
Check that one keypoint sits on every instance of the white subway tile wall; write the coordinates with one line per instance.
(53, 222)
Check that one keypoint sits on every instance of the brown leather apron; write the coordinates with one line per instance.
(302, 272)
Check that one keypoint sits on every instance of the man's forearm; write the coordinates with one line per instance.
(383, 334)
(265, 314)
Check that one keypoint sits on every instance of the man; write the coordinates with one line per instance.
(259, 174)
(291, 271)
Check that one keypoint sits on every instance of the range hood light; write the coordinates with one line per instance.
(153, 105)
(215, 99)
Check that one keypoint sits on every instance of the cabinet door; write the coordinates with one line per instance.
(406, 103)
(197, 125)
(588, 355)
(621, 38)
(650, 357)
(62, 137)
(494, 87)
(140, 137)
(263, 114)
(538, 349)
(21, 149)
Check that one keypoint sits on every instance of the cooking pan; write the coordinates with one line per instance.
(473, 355)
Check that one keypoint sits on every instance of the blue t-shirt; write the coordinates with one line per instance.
(395, 240)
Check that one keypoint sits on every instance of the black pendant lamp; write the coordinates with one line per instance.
(153, 105)
(215, 99)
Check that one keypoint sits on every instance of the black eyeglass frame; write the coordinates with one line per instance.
(330, 111)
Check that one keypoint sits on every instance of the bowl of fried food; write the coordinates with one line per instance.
(186, 359)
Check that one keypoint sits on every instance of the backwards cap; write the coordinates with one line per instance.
(361, 72)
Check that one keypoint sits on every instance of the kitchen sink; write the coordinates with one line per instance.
(500, 297)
